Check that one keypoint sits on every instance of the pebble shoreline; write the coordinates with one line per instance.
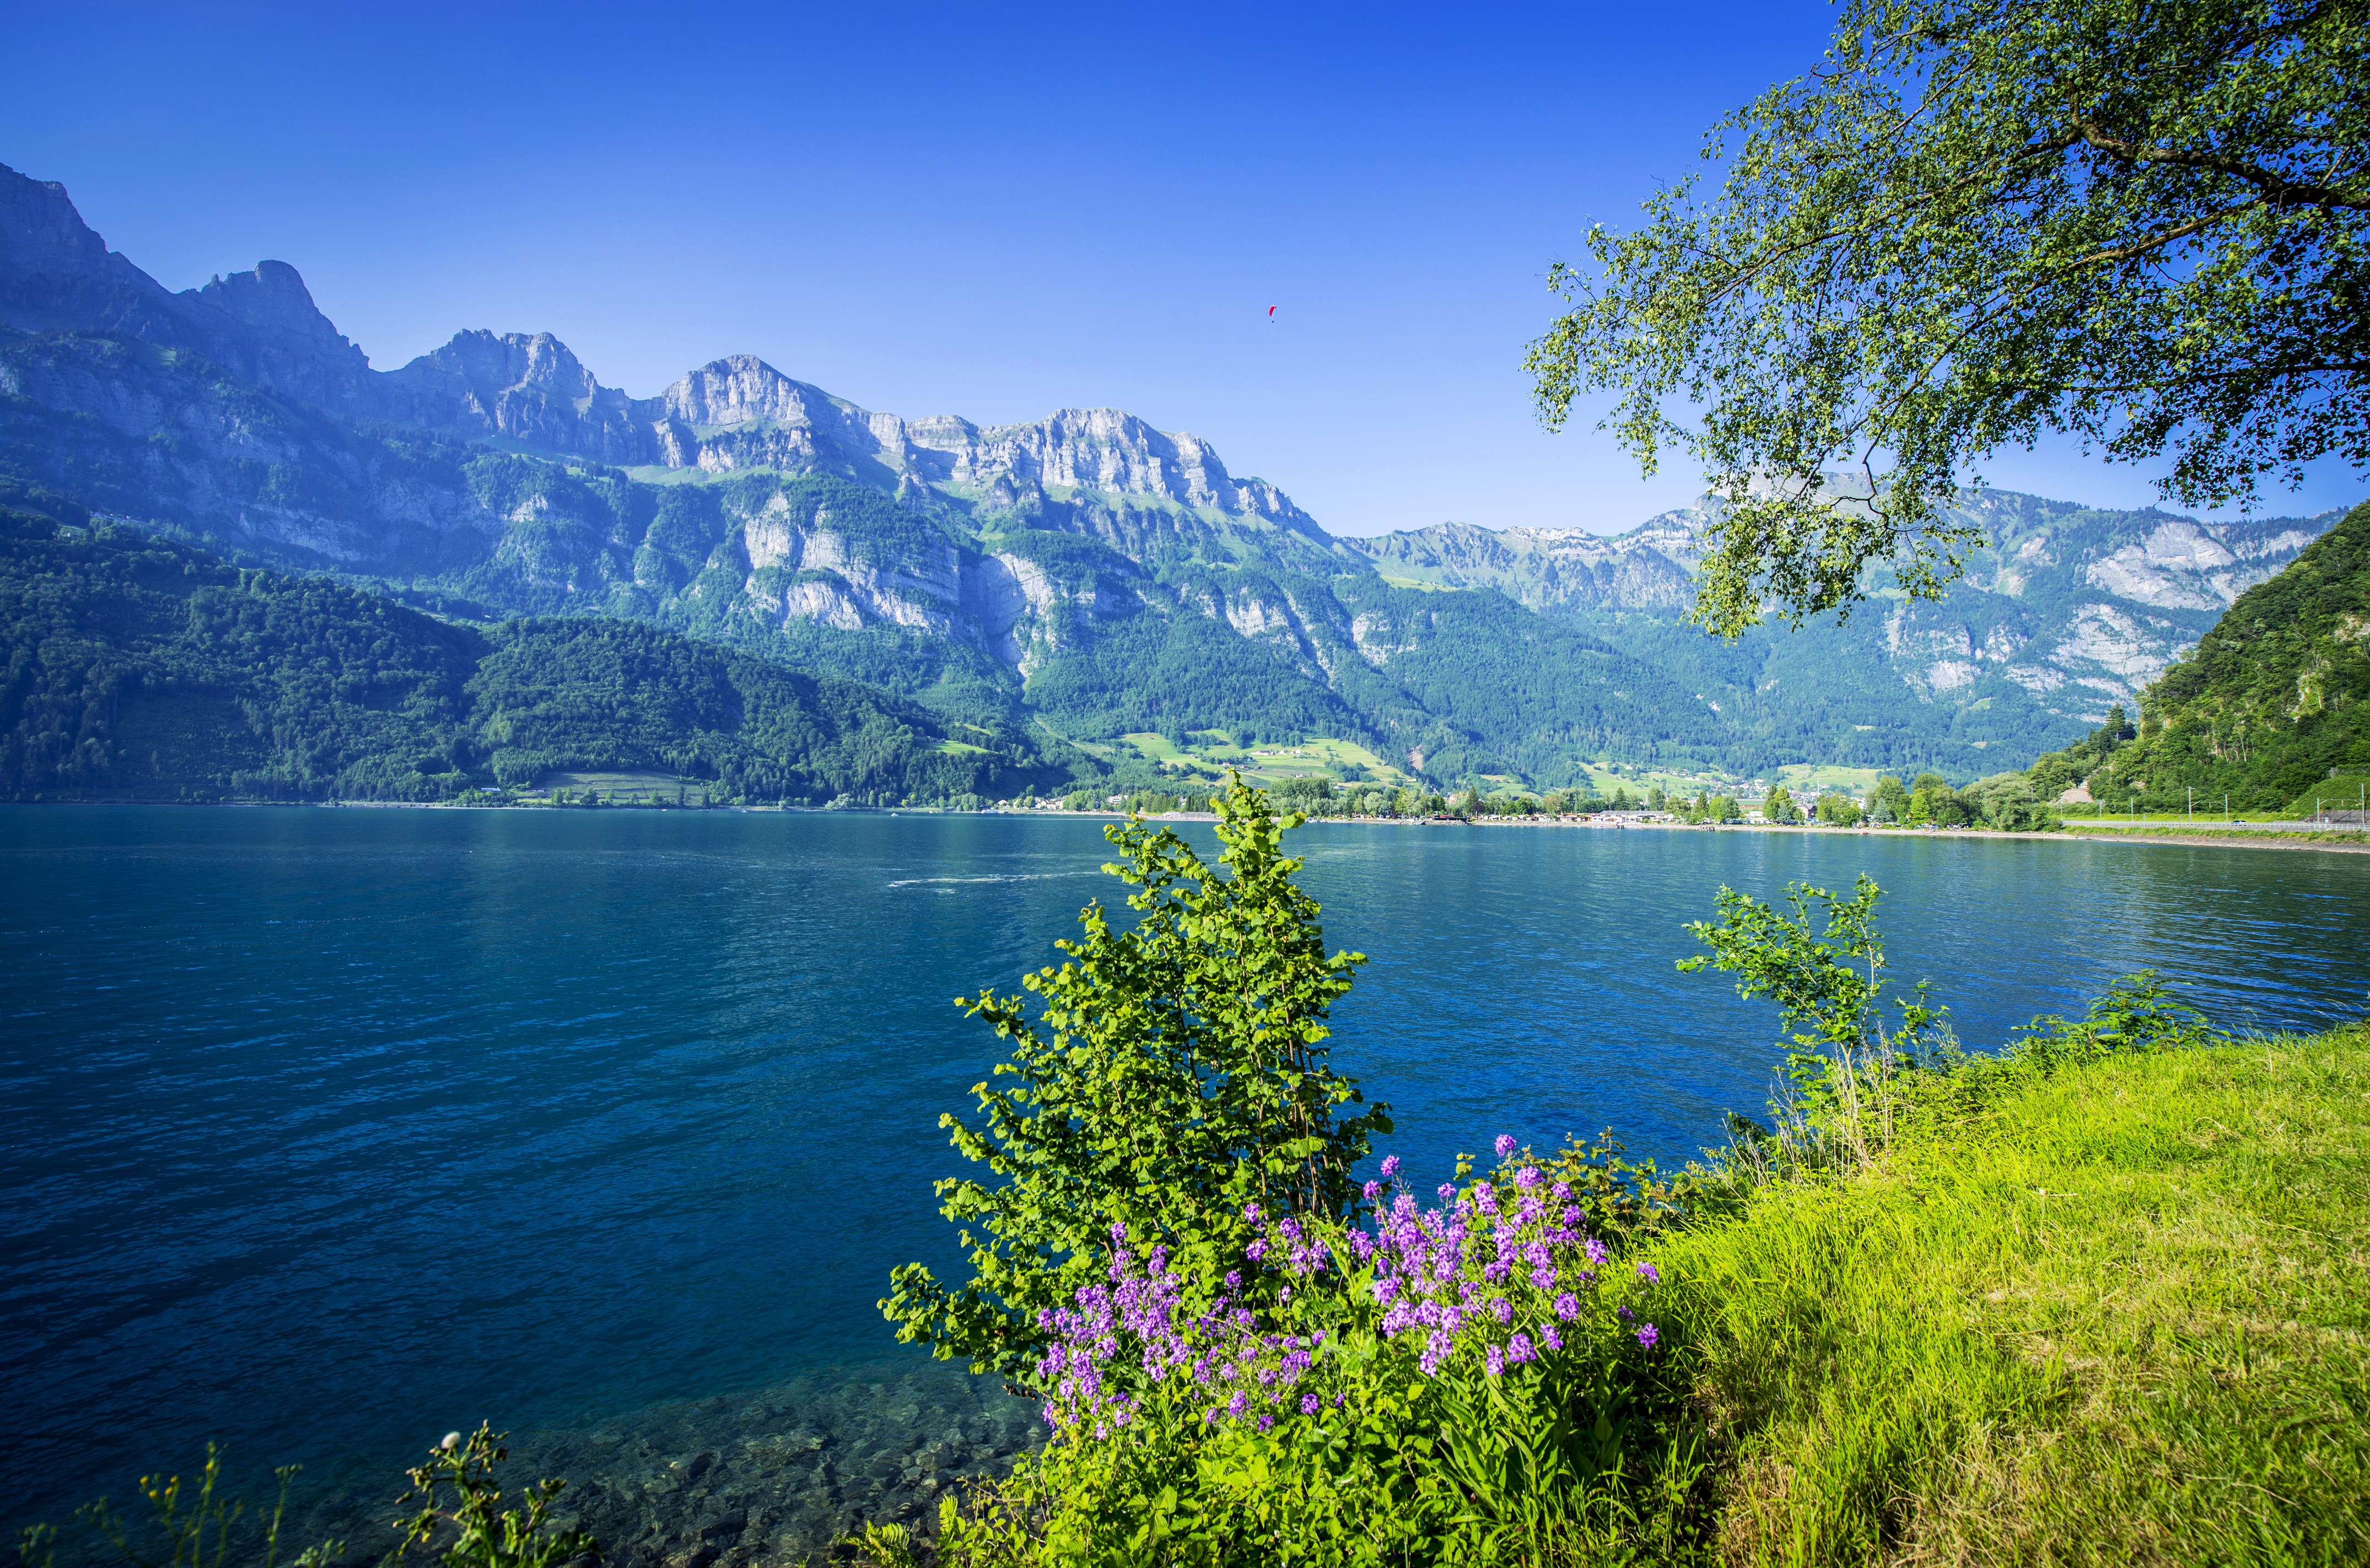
(767, 1479)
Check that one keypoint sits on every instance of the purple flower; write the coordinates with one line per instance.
(1647, 1336)
(1493, 1361)
(1503, 1309)
(1594, 1248)
(1448, 1191)
(1518, 1349)
(1549, 1338)
(1266, 1422)
(1623, 1313)
(1239, 1403)
(1309, 1403)
(1567, 1306)
(1528, 1177)
(1647, 1272)
(1372, 1189)
(1506, 1145)
(1390, 1166)
(1234, 1279)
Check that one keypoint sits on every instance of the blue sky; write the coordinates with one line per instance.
(993, 211)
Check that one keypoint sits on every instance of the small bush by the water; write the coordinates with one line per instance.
(1175, 1074)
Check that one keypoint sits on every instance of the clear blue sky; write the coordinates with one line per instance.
(993, 211)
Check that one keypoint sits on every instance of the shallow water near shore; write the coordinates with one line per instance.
(324, 1132)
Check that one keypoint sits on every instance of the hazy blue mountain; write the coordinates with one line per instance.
(1084, 572)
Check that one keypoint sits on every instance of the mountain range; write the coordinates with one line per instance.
(1083, 577)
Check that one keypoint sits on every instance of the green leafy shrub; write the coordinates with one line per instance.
(2136, 1014)
(1469, 1382)
(461, 1516)
(1844, 1062)
(1175, 1073)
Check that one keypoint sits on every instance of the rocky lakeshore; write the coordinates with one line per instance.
(774, 1476)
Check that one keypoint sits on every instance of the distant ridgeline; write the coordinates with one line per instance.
(1084, 575)
(2271, 703)
(139, 669)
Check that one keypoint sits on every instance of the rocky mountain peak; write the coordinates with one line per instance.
(272, 298)
(41, 235)
(488, 365)
(742, 389)
(57, 273)
(1097, 449)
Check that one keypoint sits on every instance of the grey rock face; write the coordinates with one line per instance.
(56, 274)
(264, 328)
(525, 389)
(2080, 608)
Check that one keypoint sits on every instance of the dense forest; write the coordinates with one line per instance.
(140, 669)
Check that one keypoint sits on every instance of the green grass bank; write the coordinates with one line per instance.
(2117, 1315)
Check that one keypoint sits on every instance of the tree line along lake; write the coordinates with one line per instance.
(324, 1132)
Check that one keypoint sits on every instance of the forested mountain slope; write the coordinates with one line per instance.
(2271, 701)
(1083, 574)
(134, 668)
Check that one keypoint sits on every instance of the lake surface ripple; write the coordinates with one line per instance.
(324, 1132)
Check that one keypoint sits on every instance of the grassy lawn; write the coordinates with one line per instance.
(1812, 778)
(620, 786)
(2122, 1316)
(1210, 752)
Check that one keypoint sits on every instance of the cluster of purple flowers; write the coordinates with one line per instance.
(1489, 1276)
(1488, 1273)
(1222, 1349)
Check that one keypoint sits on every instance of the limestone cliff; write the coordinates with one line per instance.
(2080, 608)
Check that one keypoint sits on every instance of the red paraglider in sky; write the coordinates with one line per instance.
(1271, 313)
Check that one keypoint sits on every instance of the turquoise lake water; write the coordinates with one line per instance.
(324, 1132)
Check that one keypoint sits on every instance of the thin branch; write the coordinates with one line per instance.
(2277, 189)
(2157, 242)
(2351, 367)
